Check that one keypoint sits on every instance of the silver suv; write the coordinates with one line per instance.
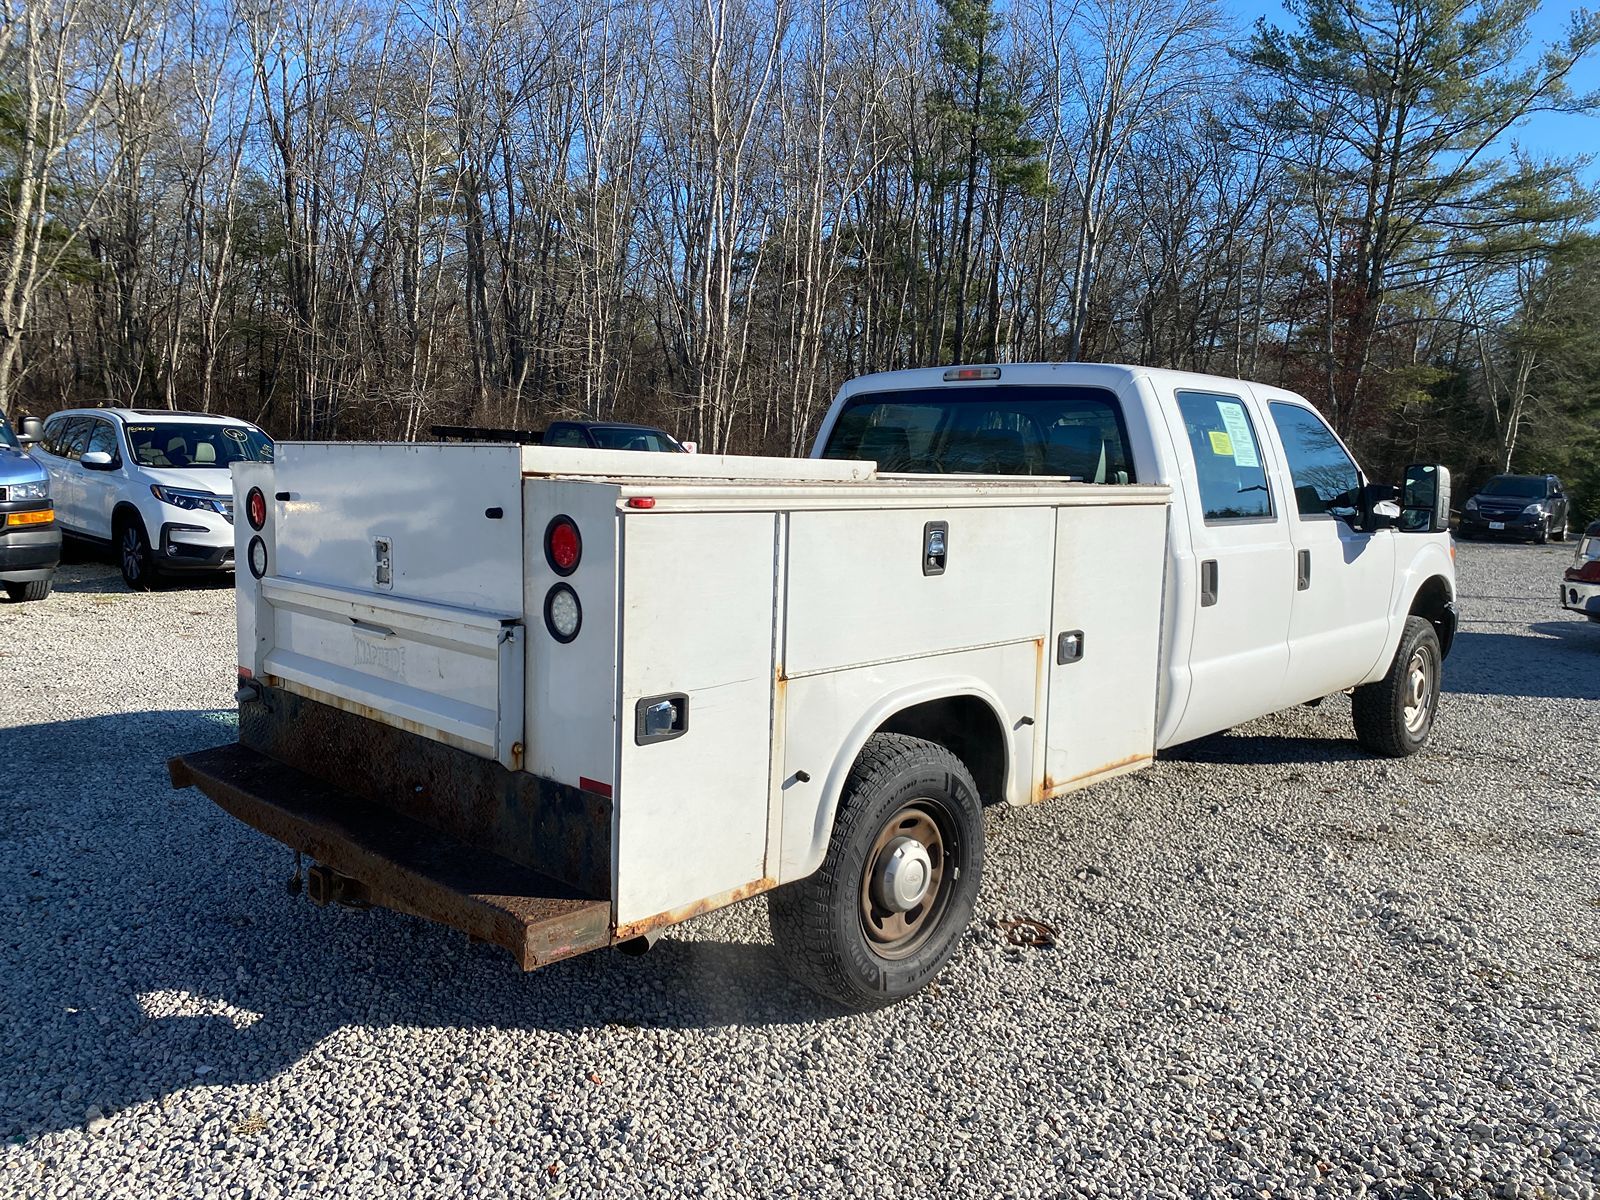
(152, 483)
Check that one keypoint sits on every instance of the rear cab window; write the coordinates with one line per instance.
(1227, 457)
(1000, 429)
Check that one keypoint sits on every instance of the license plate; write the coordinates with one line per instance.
(1497, 524)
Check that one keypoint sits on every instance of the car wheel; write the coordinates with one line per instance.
(1562, 535)
(34, 589)
(133, 555)
(1542, 534)
(884, 912)
(1394, 716)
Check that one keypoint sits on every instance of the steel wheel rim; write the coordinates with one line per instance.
(895, 935)
(1419, 691)
(132, 553)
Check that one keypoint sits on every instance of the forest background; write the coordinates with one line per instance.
(356, 219)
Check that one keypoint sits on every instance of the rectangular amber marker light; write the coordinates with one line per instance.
(959, 373)
(39, 516)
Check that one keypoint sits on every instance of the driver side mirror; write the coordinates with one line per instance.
(1378, 509)
(1425, 499)
(97, 460)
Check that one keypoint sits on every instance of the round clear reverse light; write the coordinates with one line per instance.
(563, 615)
(256, 557)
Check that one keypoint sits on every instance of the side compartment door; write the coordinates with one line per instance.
(1244, 564)
(1105, 642)
(697, 602)
(1343, 577)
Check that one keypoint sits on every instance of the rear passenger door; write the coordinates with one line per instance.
(1239, 650)
(64, 442)
(1343, 578)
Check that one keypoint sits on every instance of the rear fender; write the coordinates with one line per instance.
(798, 861)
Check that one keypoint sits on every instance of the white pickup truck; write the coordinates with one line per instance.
(562, 699)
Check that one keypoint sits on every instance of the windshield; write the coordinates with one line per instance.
(1514, 485)
(202, 444)
(8, 438)
(994, 430)
(613, 437)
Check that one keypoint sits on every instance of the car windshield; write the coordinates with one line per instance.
(202, 444)
(1514, 485)
(613, 437)
(1000, 429)
(7, 437)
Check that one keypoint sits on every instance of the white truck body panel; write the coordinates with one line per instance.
(789, 606)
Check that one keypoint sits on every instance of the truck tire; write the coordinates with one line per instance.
(884, 912)
(1394, 716)
(34, 589)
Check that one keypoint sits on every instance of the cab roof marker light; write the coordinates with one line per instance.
(958, 374)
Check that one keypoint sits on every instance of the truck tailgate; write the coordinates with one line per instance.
(390, 585)
(451, 673)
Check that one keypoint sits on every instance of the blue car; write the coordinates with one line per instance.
(30, 541)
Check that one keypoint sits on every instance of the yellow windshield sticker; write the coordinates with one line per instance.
(1221, 444)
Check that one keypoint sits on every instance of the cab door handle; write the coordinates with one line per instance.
(1302, 575)
(1208, 583)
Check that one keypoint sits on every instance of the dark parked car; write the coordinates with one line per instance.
(595, 435)
(30, 539)
(1530, 507)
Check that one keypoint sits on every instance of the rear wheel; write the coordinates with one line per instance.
(884, 912)
(133, 555)
(1394, 716)
(34, 589)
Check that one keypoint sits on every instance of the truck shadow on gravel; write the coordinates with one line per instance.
(152, 946)
(1561, 660)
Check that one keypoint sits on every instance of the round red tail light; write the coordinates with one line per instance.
(255, 508)
(563, 547)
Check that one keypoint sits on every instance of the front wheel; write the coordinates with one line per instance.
(1560, 535)
(134, 557)
(884, 912)
(1394, 716)
(1543, 534)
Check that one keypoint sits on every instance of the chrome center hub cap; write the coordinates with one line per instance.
(905, 873)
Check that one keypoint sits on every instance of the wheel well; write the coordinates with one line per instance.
(968, 728)
(1434, 602)
(120, 516)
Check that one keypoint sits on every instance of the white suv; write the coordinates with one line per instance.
(152, 483)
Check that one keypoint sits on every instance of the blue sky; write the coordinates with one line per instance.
(1542, 135)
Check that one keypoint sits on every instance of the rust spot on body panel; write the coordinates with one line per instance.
(1049, 787)
(676, 916)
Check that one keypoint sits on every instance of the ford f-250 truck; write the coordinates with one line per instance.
(562, 699)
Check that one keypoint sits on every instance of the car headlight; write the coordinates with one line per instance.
(29, 491)
(188, 500)
(1472, 504)
(1533, 510)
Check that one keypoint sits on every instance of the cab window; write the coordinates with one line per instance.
(103, 437)
(70, 440)
(1325, 477)
(569, 435)
(1066, 431)
(1227, 457)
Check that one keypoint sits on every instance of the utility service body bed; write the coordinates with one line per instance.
(563, 698)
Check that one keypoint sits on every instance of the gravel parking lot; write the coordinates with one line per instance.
(1283, 969)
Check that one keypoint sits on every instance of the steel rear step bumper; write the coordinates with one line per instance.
(404, 864)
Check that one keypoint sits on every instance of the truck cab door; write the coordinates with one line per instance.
(1344, 577)
(1239, 588)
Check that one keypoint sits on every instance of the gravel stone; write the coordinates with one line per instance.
(1282, 969)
